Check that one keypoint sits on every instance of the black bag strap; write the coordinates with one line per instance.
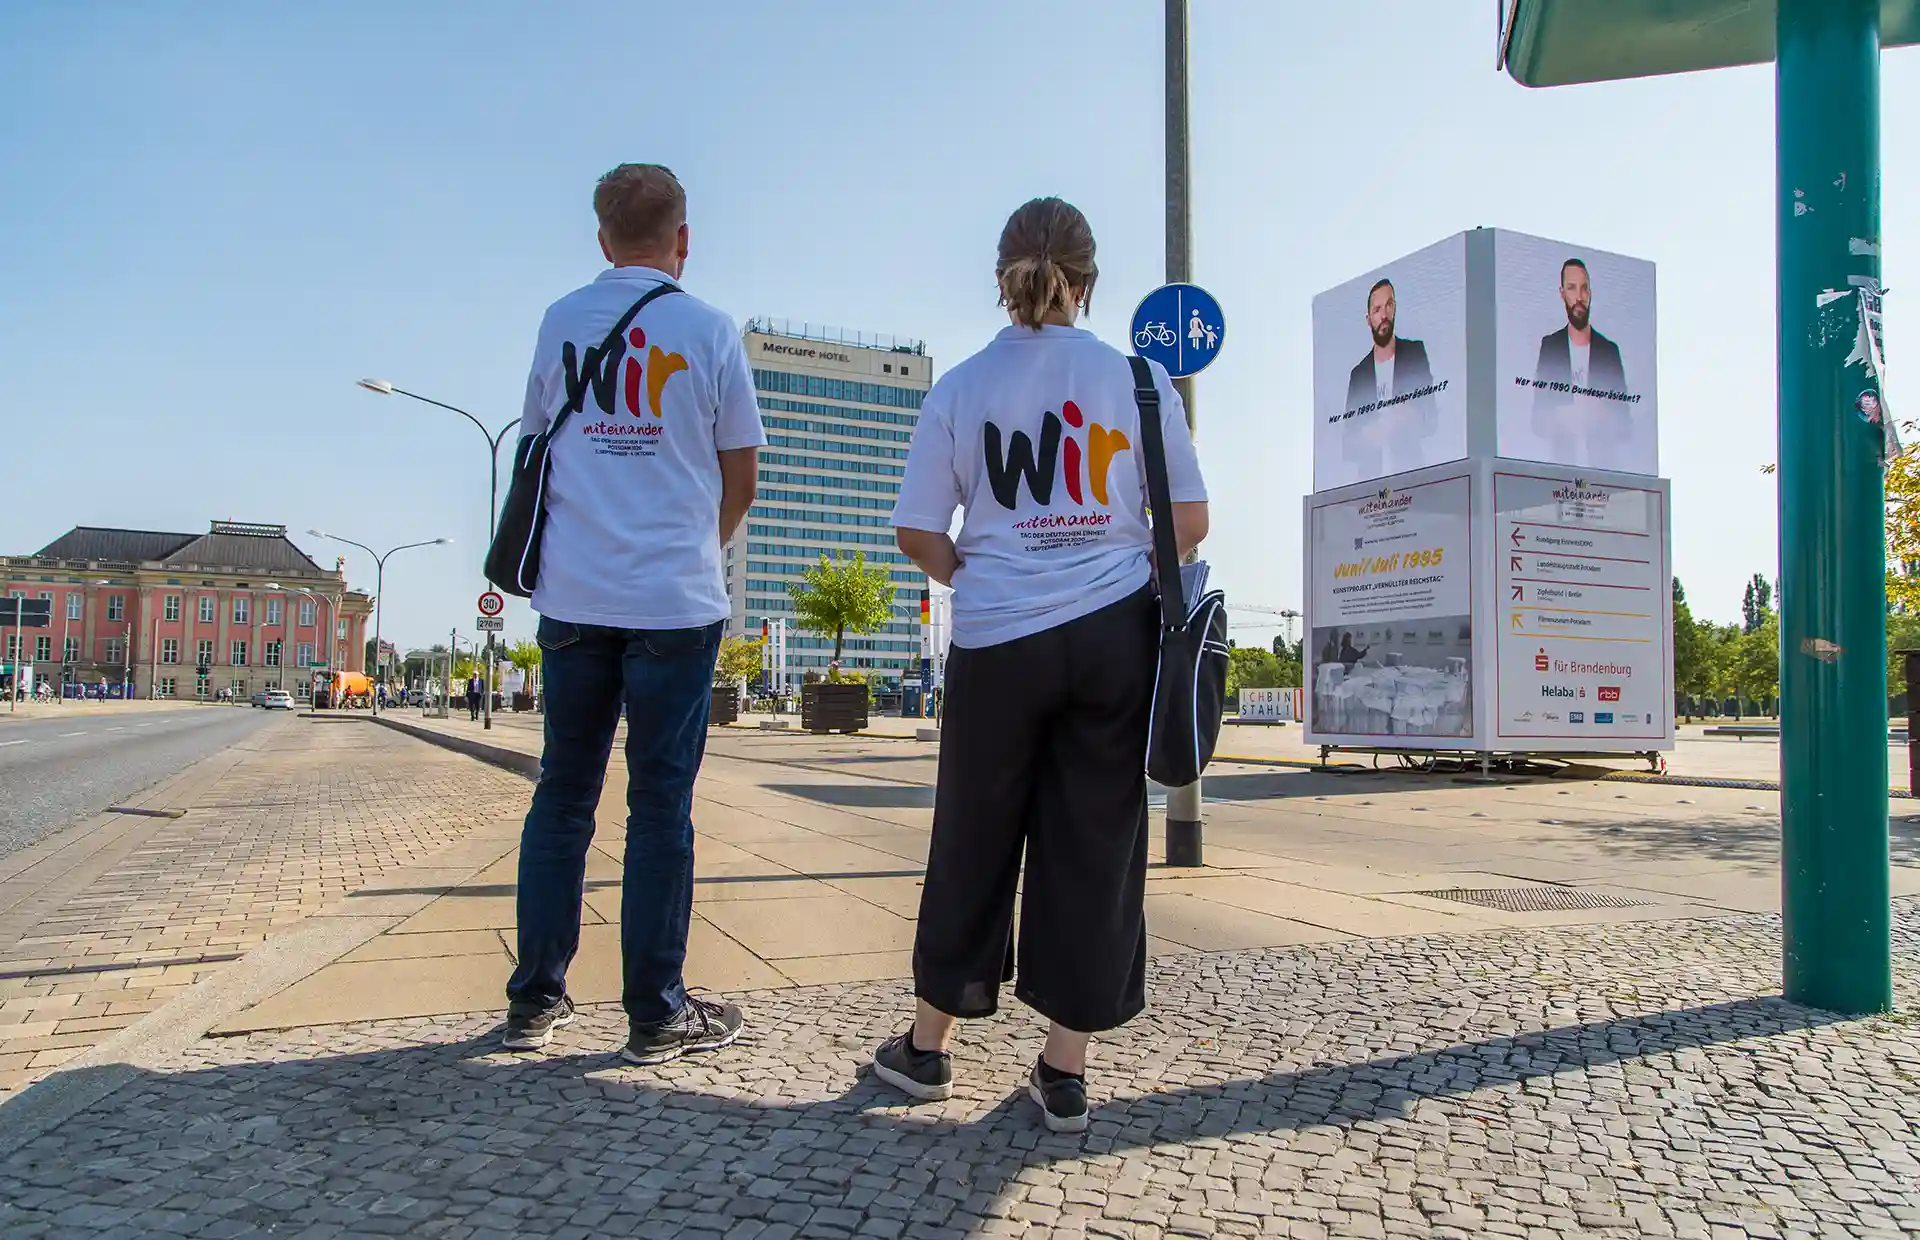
(602, 362)
(1166, 552)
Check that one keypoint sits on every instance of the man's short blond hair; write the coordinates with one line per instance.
(640, 206)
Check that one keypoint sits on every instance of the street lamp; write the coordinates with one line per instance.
(382, 388)
(333, 608)
(379, 586)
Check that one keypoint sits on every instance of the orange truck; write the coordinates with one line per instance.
(343, 689)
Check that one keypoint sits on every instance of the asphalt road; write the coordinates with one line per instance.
(56, 771)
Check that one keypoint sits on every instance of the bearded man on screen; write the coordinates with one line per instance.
(1385, 438)
(1580, 428)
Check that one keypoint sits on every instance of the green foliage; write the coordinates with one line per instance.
(1903, 527)
(1692, 647)
(739, 660)
(1756, 660)
(842, 597)
(523, 654)
(1757, 604)
(1249, 667)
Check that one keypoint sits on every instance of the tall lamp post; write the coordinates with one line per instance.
(494, 440)
(290, 627)
(379, 587)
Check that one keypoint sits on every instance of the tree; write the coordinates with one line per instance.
(1250, 667)
(1757, 604)
(842, 597)
(1692, 647)
(523, 654)
(1756, 661)
(1903, 526)
(739, 660)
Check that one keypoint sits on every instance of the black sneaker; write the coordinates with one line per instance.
(700, 1026)
(926, 1076)
(530, 1026)
(1062, 1103)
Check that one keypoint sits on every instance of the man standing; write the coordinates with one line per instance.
(475, 687)
(649, 478)
(1578, 367)
(1385, 437)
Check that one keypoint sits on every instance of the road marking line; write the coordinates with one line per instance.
(64, 735)
(4, 744)
(116, 729)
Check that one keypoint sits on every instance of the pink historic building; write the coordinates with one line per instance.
(150, 609)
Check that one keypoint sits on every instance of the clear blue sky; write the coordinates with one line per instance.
(215, 217)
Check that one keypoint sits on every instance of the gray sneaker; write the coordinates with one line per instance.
(530, 1026)
(701, 1025)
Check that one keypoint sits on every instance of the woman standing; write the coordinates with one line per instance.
(1050, 679)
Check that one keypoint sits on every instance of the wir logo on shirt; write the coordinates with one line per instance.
(1005, 468)
(602, 363)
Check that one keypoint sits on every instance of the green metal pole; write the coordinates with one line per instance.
(1833, 683)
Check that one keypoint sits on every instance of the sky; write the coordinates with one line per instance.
(214, 218)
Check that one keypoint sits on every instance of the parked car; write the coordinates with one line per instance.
(260, 697)
(276, 699)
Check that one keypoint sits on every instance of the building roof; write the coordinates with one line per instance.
(220, 549)
(226, 544)
(95, 542)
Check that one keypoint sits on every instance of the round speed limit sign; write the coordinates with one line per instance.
(491, 604)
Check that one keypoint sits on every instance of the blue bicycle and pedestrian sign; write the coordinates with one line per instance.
(1181, 327)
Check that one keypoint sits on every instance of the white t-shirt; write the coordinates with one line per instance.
(1382, 378)
(1579, 354)
(633, 503)
(1037, 437)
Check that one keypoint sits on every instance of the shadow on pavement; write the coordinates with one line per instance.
(393, 1139)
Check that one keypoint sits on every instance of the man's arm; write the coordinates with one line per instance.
(739, 480)
(1190, 523)
(934, 554)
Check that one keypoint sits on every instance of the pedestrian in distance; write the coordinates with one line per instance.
(1049, 681)
(650, 475)
(475, 687)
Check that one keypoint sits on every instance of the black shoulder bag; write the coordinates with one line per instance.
(513, 560)
(1190, 685)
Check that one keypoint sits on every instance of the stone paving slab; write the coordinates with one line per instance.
(119, 915)
(1607, 1081)
(810, 853)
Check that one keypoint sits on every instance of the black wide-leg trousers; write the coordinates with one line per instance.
(1043, 748)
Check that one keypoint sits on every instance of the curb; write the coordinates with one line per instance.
(525, 765)
(1631, 777)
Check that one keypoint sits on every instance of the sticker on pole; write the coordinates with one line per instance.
(491, 604)
(490, 624)
(1181, 327)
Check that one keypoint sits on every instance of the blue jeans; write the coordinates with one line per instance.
(663, 677)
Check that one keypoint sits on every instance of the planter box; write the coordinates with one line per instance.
(725, 706)
(828, 707)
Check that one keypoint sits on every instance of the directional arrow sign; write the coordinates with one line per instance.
(1516, 619)
(1518, 592)
(1518, 537)
(1513, 563)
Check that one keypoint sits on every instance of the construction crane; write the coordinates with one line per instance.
(1286, 614)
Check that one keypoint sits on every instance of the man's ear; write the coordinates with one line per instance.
(680, 243)
(605, 249)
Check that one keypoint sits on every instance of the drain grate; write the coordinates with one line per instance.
(1530, 899)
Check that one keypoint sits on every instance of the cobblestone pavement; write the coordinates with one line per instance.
(1618, 1080)
(110, 919)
